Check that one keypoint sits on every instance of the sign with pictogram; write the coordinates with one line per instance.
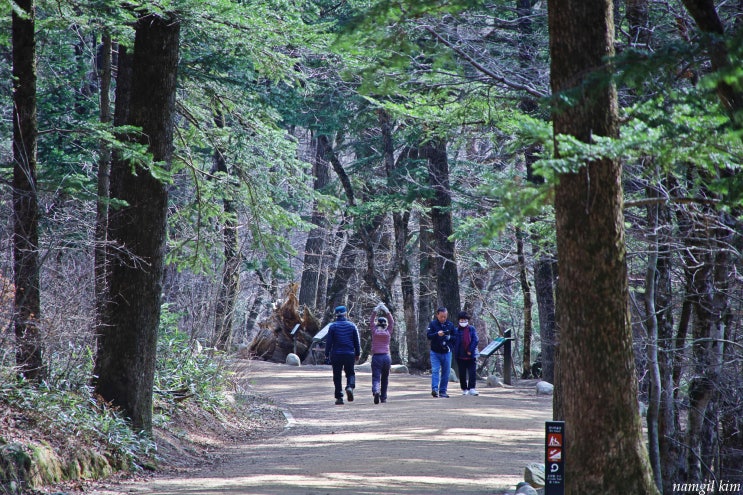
(554, 457)
(554, 440)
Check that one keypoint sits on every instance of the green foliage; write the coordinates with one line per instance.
(266, 183)
(74, 414)
(513, 201)
(184, 371)
(64, 405)
(239, 61)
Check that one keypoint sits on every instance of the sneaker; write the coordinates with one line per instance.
(434, 393)
(349, 394)
(474, 392)
(376, 397)
(338, 401)
(384, 401)
(465, 392)
(444, 395)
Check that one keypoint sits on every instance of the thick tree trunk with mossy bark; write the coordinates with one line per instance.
(27, 302)
(605, 450)
(127, 340)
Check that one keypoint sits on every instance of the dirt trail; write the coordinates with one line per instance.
(413, 444)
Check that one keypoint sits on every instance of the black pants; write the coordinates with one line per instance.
(343, 362)
(467, 372)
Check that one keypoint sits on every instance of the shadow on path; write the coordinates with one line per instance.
(413, 444)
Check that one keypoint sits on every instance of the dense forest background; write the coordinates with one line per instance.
(203, 162)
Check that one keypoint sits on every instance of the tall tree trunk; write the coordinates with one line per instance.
(104, 175)
(27, 301)
(344, 272)
(709, 271)
(668, 429)
(396, 170)
(605, 451)
(426, 285)
(417, 345)
(651, 277)
(400, 230)
(230, 286)
(125, 362)
(708, 305)
(416, 348)
(731, 421)
(447, 278)
(543, 276)
(315, 244)
(526, 292)
(123, 62)
(681, 334)
(543, 285)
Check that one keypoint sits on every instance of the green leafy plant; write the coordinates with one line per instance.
(185, 371)
(75, 414)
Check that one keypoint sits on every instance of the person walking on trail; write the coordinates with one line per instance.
(465, 352)
(343, 348)
(441, 334)
(381, 332)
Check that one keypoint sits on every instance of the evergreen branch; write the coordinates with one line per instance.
(683, 201)
(477, 65)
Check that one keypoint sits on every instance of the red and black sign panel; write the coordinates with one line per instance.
(554, 458)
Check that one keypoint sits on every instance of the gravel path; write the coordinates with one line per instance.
(413, 444)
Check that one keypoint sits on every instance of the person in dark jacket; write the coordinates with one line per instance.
(465, 352)
(441, 334)
(343, 348)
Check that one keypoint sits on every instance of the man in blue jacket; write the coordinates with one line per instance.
(441, 334)
(343, 347)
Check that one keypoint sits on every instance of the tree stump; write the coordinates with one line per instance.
(275, 341)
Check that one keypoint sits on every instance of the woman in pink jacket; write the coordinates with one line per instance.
(381, 331)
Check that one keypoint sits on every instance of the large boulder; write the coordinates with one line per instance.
(363, 367)
(545, 388)
(293, 360)
(453, 376)
(494, 381)
(524, 488)
(400, 369)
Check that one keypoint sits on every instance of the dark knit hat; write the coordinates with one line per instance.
(340, 310)
(382, 321)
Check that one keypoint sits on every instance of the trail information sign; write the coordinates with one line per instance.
(554, 458)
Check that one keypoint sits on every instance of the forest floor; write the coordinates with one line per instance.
(413, 444)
